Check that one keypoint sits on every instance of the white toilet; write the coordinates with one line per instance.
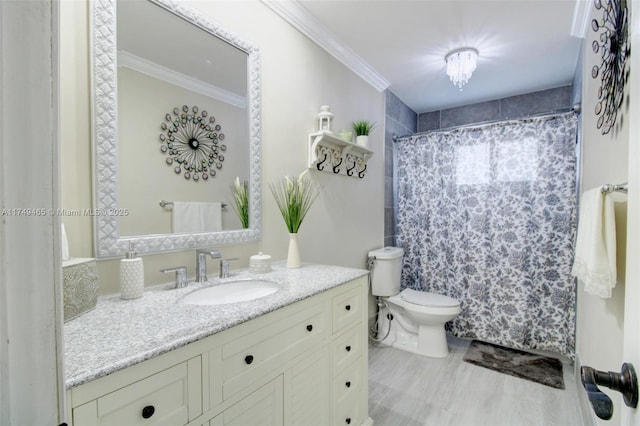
(409, 320)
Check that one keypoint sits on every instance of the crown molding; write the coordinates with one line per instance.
(581, 14)
(296, 15)
(136, 63)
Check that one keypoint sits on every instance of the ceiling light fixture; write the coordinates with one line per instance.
(460, 65)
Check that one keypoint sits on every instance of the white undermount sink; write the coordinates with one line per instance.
(231, 292)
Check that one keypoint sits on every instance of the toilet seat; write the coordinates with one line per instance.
(427, 299)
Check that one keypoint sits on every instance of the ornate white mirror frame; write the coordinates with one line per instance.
(108, 242)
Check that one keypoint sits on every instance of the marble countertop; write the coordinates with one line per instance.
(119, 333)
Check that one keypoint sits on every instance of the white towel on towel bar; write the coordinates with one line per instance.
(194, 217)
(595, 258)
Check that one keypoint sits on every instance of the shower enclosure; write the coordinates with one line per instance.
(487, 214)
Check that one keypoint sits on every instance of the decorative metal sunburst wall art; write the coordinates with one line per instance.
(612, 44)
(192, 143)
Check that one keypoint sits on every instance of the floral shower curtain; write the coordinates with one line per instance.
(487, 215)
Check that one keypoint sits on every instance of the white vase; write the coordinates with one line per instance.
(293, 258)
(362, 140)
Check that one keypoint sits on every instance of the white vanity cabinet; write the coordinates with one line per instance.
(302, 364)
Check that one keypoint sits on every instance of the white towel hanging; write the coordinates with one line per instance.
(595, 257)
(194, 217)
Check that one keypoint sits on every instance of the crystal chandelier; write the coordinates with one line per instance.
(460, 65)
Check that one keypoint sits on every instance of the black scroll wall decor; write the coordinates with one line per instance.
(192, 143)
(613, 46)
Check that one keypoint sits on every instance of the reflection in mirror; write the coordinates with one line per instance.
(182, 123)
(187, 128)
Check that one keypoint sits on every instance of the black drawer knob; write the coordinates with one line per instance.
(148, 411)
(348, 307)
(309, 327)
(248, 359)
(348, 420)
(348, 348)
(348, 384)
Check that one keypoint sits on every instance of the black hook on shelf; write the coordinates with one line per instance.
(336, 168)
(320, 163)
(361, 173)
(625, 382)
(350, 169)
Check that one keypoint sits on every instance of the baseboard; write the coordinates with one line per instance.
(586, 411)
(368, 422)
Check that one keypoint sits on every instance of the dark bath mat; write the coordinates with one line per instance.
(525, 365)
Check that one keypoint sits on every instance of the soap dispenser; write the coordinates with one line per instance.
(131, 275)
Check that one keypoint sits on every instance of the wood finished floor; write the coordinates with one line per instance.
(409, 389)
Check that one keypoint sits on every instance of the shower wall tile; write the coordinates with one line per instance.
(512, 107)
(392, 105)
(391, 128)
(388, 191)
(536, 103)
(400, 112)
(429, 121)
(390, 241)
(389, 222)
(388, 162)
(475, 113)
(400, 120)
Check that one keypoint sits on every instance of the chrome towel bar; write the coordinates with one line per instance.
(164, 203)
(608, 188)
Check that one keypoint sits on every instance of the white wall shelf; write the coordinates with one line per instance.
(329, 153)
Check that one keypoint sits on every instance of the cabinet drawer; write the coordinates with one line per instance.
(263, 407)
(264, 350)
(348, 382)
(347, 308)
(346, 348)
(349, 411)
(158, 399)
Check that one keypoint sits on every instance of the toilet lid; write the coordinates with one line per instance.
(424, 298)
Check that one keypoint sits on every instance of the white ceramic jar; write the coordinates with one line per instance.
(260, 263)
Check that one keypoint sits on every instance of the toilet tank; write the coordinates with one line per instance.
(385, 272)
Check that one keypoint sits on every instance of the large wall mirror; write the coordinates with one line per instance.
(176, 125)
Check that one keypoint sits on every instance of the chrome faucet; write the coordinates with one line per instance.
(201, 262)
(181, 275)
(224, 267)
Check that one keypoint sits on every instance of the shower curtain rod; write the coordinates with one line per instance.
(575, 108)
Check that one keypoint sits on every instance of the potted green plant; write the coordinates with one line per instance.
(362, 129)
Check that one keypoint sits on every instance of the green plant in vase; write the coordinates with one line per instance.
(294, 198)
(240, 204)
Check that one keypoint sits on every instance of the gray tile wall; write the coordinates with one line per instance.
(501, 109)
(400, 120)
